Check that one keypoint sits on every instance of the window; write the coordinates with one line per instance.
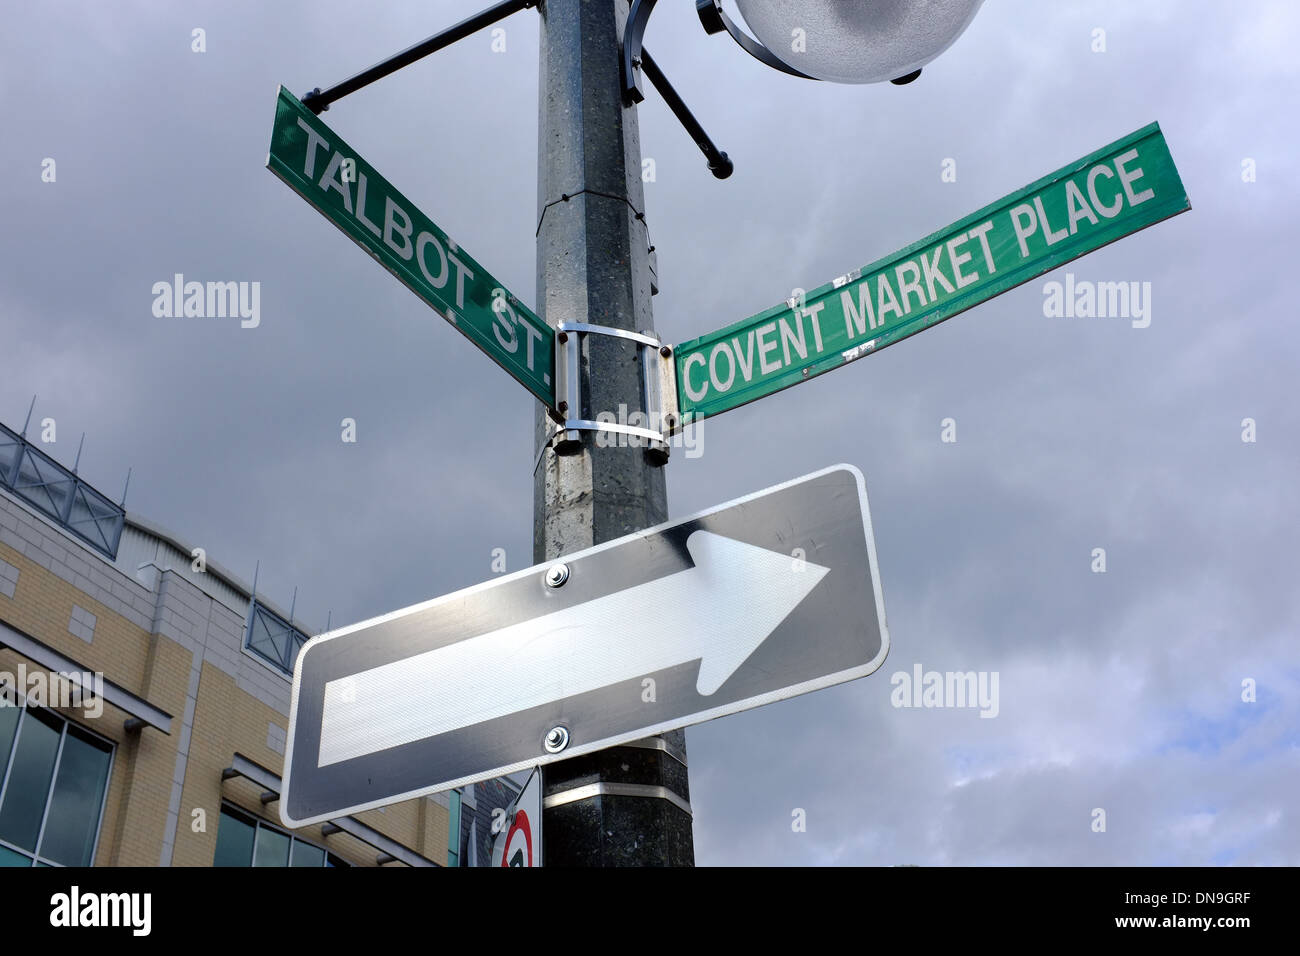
(272, 638)
(59, 494)
(53, 778)
(244, 840)
(453, 829)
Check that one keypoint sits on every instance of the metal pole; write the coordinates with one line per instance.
(626, 806)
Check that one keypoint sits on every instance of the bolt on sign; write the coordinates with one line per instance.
(316, 163)
(1115, 191)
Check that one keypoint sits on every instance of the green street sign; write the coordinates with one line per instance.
(314, 161)
(1121, 188)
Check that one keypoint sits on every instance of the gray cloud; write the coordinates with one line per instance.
(1119, 691)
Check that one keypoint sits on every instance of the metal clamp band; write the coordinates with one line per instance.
(542, 451)
(603, 789)
(649, 340)
(583, 425)
(656, 743)
(658, 392)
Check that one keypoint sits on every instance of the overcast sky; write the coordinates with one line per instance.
(1120, 690)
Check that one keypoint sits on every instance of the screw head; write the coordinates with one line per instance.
(563, 337)
(556, 575)
(665, 351)
(557, 738)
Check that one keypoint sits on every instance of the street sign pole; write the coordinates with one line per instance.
(623, 806)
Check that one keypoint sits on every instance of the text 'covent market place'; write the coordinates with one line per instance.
(1126, 186)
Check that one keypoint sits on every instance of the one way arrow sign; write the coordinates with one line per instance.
(761, 599)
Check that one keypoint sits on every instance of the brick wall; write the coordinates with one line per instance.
(166, 640)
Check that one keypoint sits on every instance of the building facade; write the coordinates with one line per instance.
(144, 700)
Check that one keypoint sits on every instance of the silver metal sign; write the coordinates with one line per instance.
(766, 597)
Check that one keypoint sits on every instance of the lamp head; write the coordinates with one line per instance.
(858, 41)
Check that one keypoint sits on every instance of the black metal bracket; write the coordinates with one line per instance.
(719, 163)
(633, 37)
(636, 56)
(715, 20)
(319, 101)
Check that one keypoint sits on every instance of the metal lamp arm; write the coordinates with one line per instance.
(636, 57)
(318, 101)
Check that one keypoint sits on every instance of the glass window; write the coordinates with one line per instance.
(49, 487)
(272, 848)
(272, 638)
(44, 483)
(73, 818)
(9, 858)
(53, 777)
(244, 840)
(96, 518)
(304, 854)
(9, 712)
(453, 830)
(30, 772)
(234, 839)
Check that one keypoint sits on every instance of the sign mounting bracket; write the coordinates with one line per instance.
(658, 393)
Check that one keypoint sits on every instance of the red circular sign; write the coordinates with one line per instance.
(519, 842)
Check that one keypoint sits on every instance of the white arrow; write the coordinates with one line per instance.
(717, 612)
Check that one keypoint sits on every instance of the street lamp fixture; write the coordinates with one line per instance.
(842, 41)
(845, 41)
